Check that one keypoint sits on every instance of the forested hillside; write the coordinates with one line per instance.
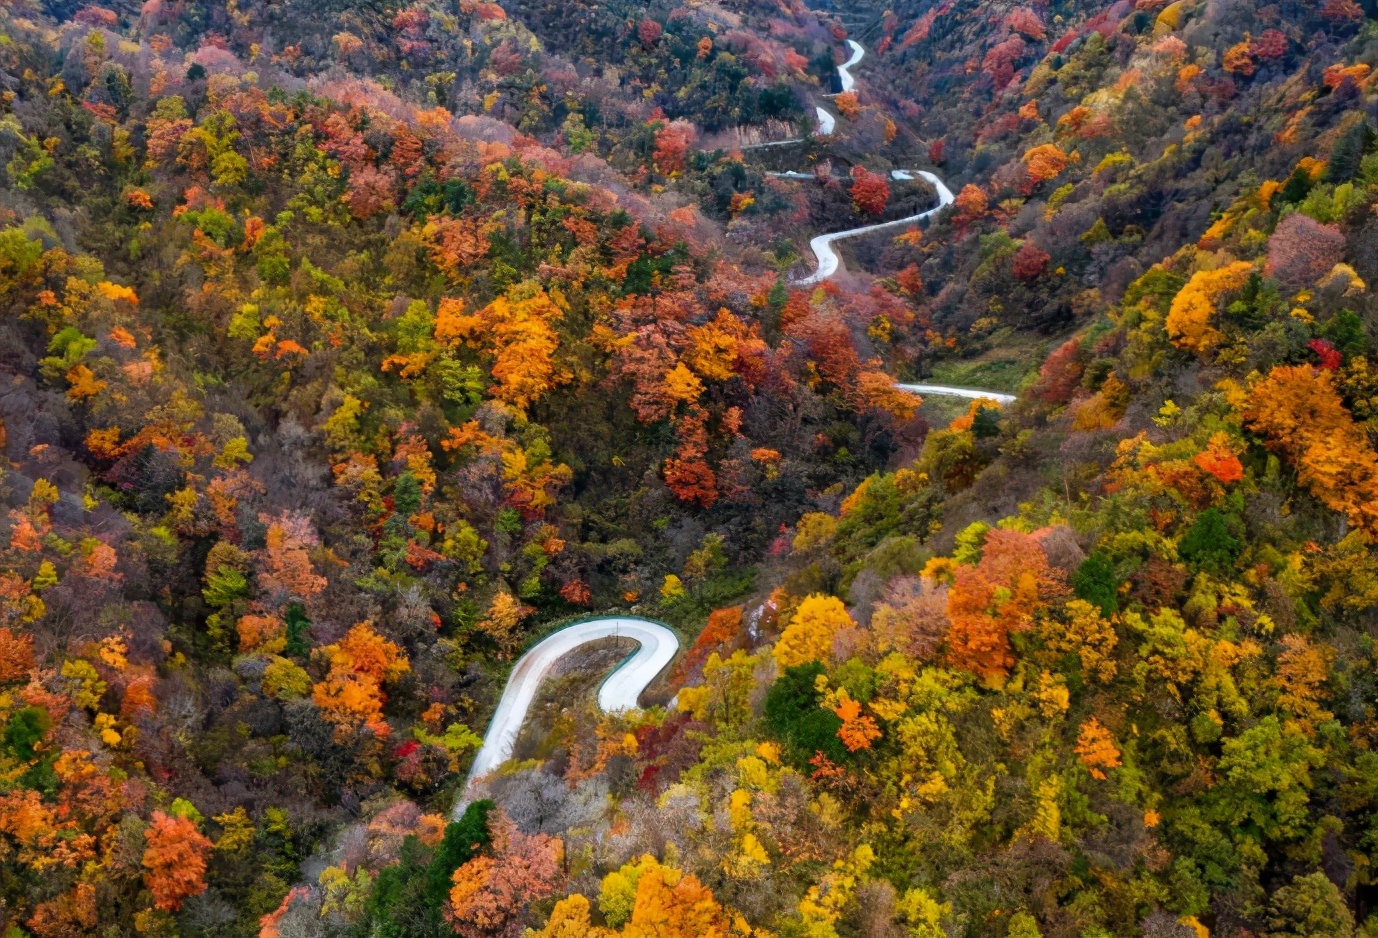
(349, 348)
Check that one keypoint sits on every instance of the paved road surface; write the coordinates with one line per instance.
(943, 390)
(845, 76)
(828, 261)
(619, 692)
(657, 644)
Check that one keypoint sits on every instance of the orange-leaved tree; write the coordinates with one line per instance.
(674, 905)
(1001, 594)
(1096, 748)
(174, 860)
(1218, 460)
(1189, 318)
(284, 564)
(16, 648)
(1303, 669)
(687, 473)
(971, 203)
(858, 730)
(1299, 413)
(724, 348)
(1045, 162)
(874, 389)
(516, 331)
(351, 695)
(666, 904)
(456, 243)
(492, 890)
(72, 913)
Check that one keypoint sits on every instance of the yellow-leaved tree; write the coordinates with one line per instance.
(810, 634)
(1189, 318)
(503, 622)
(516, 331)
(1087, 634)
(644, 899)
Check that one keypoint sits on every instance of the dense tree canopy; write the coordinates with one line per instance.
(349, 348)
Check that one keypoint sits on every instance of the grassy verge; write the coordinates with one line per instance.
(1003, 368)
(938, 411)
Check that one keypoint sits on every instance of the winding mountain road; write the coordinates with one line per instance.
(657, 645)
(822, 245)
(844, 74)
(826, 122)
(621, 691)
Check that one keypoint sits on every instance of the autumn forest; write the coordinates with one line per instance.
(689, 469)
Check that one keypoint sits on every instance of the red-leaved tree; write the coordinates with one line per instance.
(649, 32)
(1000, 59)
(1026, 22)
(870, 191)
(1328, 356)
(1269, 46)
(1061, 373)
(672, 142)
(1342, 12)
(1030, 262)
